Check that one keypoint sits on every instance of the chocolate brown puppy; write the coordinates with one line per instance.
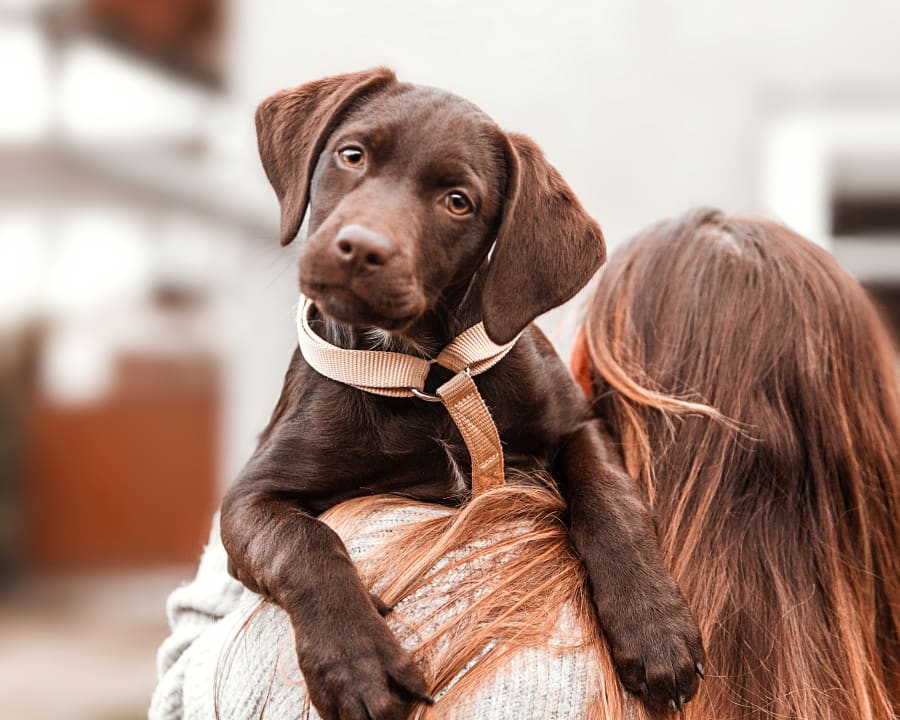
(409, 188)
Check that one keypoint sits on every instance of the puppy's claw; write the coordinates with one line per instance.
(382, 607)
(699, 669)
(420, 696)
(645, 691)
(681, 701)
(672, 706)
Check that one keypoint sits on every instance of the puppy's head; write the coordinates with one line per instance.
(408, 188)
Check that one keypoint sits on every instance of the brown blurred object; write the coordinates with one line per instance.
(185, 37)
(16, 359)
(130, 480)
(886, 297)
(872, 217)
(865, 215)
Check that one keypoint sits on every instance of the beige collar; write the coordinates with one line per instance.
(399, 375)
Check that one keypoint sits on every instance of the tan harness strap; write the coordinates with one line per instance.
(472, 417)
(474, 350)
(400, 375)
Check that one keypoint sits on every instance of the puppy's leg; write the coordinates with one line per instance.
(353, 665)
(654, 641)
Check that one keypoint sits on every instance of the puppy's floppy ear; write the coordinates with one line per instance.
(292, 128)
(547, 247)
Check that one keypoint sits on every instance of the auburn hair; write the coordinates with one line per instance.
(754, 395)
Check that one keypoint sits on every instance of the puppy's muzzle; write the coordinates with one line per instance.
(361, 276)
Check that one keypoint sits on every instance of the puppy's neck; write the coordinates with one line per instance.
(425, 338)
(374, 338)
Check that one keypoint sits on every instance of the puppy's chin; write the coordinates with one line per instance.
(345, 306)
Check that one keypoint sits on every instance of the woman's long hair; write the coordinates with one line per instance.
(781, 524)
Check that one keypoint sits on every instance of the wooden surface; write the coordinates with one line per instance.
(127, 481)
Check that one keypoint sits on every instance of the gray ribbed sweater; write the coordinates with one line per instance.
(202, 668)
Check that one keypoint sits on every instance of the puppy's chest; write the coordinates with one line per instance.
(406, 444)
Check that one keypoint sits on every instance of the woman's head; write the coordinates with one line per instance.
(754, 394)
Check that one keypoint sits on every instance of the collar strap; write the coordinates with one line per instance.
(392, 373)
(400, 375)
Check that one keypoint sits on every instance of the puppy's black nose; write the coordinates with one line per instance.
(362, 248)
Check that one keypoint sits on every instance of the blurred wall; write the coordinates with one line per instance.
(646, 107)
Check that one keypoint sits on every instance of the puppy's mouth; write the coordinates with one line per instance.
(344, 305)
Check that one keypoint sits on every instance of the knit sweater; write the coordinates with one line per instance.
(232, 657)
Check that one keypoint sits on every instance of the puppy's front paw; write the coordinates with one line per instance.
(659, 655)
(364, 674)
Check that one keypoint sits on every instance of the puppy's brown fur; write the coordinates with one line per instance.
(408, 187)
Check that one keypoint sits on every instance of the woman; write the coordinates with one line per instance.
(751, 390)
(781, 524)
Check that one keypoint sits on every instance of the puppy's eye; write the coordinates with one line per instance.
(457, 203)
(352, 156)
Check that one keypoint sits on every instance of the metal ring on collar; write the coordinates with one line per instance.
(428, 397)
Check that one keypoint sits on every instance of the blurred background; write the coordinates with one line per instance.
(146, 309)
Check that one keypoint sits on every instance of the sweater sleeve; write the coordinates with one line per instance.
(194, 609)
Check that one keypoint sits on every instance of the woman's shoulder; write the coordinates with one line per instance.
(243, 663)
